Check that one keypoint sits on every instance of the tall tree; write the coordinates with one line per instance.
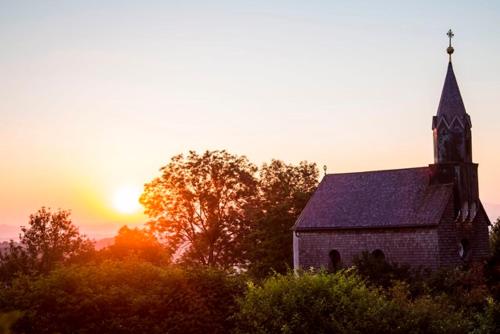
(284, 190)
(50, 238)
(200, 207)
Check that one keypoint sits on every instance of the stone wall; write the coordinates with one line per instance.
(451, 234)
(414, 246)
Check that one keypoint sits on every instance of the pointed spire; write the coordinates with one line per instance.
(451, 103)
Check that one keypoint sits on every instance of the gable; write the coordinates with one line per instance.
(378, 199)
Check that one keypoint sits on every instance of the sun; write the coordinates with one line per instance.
(126, 199)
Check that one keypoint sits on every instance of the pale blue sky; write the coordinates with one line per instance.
(97, 94)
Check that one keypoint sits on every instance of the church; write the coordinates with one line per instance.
(425, 216)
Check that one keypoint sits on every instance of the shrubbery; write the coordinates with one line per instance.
(7, 320)
(342, 303)
(124, 297)
(379, 272)
(467, 286)
(135, 296)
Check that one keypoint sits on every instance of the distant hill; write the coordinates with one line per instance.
(99, 244)
(8, 232)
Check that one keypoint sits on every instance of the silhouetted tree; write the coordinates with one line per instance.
(495, 240)
(50, 238)
(284, 190)
(138, 243)
(200, 206)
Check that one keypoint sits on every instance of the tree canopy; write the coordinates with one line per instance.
(218, 209)
(284, 190)
(200, 207)
(49, 239)
(137, 243)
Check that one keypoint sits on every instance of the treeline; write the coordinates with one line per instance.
(215, 257)
(213, 209)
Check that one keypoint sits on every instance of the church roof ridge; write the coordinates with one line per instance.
(378, 171)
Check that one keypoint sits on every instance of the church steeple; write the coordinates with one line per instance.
(452, 124)
(453, 146)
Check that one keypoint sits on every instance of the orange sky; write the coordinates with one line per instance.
(94, 97)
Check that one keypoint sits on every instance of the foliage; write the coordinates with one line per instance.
(137, 243)
(284, 190)
(493, 265)
(7, 320)
(461, 286)
(495, 240)
(378, 271)
(341, 303)
(487, 322)
(124, 297)
(200, 207)
(50, 239)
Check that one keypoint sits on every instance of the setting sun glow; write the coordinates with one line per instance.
(126, 199)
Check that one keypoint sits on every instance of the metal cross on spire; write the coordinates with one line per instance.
(450, 34)
(450, 49)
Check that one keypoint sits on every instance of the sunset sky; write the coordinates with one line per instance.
(96, 96)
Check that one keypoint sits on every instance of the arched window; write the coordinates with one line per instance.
(335, 261)
(463, 248)
(378, 254)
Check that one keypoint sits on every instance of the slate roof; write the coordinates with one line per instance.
(451, 104)
(378, 199)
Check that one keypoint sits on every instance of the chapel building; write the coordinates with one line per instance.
(426, 216)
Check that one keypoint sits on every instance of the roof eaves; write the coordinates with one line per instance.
(379, 227)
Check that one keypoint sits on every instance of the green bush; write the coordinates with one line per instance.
(464, 286)
(379, 272)
(428, 313)
(124, 297)
(135, 296)
(341, 303)
(488, 321)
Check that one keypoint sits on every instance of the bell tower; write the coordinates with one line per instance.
(453, 146)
